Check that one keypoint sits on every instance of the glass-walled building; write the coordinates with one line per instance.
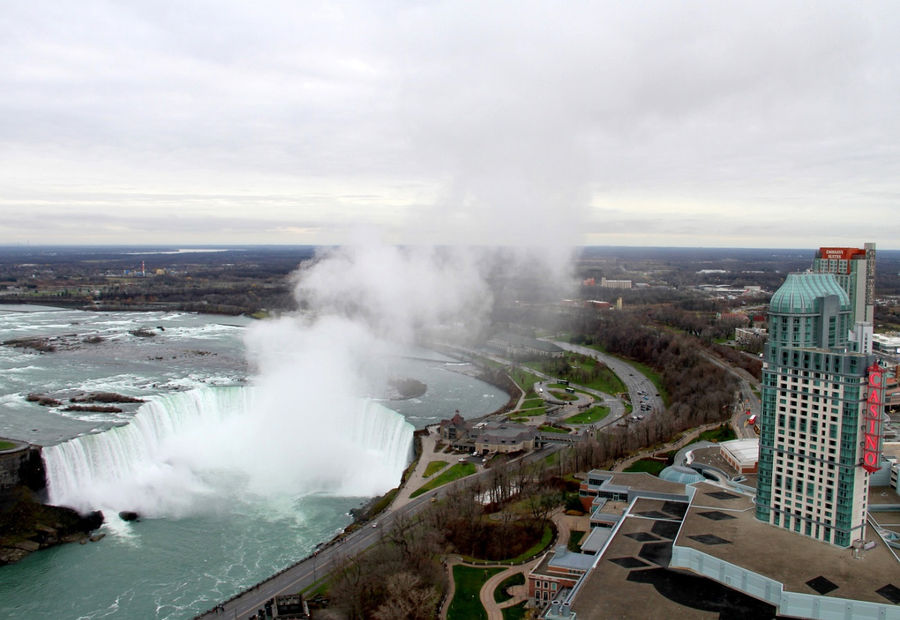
(813, 430)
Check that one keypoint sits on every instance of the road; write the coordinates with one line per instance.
(302, 575)
(635, 382)
(749, 400)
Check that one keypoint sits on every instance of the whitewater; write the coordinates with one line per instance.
(235, 476)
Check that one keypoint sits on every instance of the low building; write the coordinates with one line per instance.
(488, 437)
(888, 344)
(555, 575)
(741, 454)
(706, 556)
(503, 437)
(604, 283)
(750, 335)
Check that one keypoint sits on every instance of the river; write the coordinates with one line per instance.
(232, 488)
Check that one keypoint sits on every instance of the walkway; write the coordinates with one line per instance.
(672, 445)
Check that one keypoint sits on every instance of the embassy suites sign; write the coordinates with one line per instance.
(875, 397)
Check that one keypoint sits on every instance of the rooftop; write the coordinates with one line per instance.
(722, 524)
(801, 290)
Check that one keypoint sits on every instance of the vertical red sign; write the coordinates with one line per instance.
(875, 398)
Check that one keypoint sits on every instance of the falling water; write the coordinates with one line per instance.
(194, 451)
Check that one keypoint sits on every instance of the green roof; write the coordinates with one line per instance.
(800, 291)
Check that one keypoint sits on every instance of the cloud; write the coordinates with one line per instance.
(463, 117)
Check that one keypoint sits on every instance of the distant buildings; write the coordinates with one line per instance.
(604, 283)
(822, 400)
(487, 437)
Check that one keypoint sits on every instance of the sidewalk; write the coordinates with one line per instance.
(417, 477)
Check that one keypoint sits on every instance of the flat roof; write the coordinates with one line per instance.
(744, 451)
(631, 579)
(787, 557)
(639, 481)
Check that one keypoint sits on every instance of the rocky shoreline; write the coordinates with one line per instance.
(27, 525)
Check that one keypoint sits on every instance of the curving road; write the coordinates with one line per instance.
(636, 383)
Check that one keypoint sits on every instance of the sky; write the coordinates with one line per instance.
(743, 124)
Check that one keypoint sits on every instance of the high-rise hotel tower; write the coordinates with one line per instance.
(820, 427)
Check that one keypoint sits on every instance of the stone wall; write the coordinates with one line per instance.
(22, 465)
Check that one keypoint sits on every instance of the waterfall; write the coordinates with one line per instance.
(200, 450)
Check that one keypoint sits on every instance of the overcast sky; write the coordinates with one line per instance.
(757, 124)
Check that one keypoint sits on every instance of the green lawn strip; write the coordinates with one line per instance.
(722, 433)
(524, 380)
(560, 394)
(468, 581)
(516, 612)
(648, 465)
(552, 429)
(530, 403)
(501, 594)
(594, 414)
(434, 467)
(460, 470)
(575, 537)
(5, 445)
(534, 411)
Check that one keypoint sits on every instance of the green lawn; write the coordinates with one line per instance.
(723, 433)
(560, 394)
(648, 465)
(524, 380)
(594, 414)
(575, 537)
(5, 445)
(460, 470)
(534, 411)
(468, 581)
(500, 593)
(434, 467)
(530, 403)
(552, 429)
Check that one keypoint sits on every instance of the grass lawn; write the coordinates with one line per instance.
(516, 612)
(500, 593)
(648, 465)
(524, 380)
(534, 411)
(594, 414)
(723, 433)
(530, 403)
(460, 470)
(468, 580)
(575, 537)
(560, 394)
(433, 467)
(5, 445)
(552, 429)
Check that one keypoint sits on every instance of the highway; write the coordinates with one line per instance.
(749, 400)
(303, 574)
(635, 382)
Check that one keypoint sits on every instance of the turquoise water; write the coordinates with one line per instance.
(182, 562)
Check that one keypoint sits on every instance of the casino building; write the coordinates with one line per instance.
(822, 395)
